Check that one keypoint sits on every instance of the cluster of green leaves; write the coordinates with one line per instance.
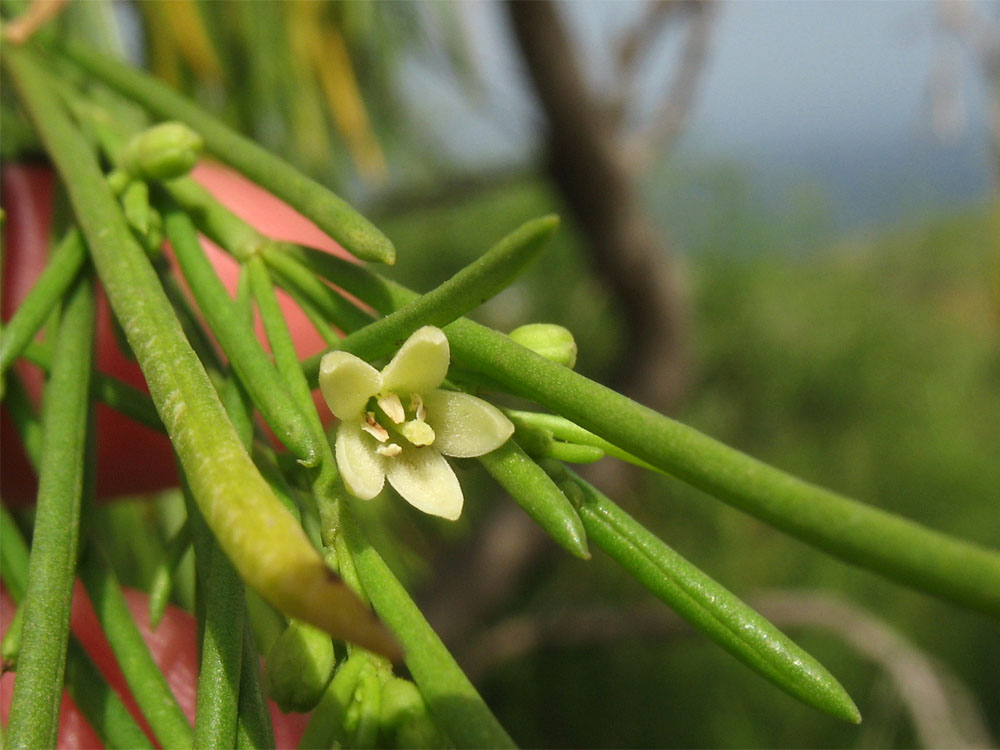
(236, 486)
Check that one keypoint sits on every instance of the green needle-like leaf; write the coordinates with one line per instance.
(707, 605)
(538, 495)
(328, 211)
(99, 704)
(478, 282)
(65, 264)
(454, 702)
(239, 342)
(141, 673)
(34, 709)
(265, 542)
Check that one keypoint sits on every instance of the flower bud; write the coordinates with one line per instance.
(162, 152)
(404, 716)
(298, 667)
(551, 341)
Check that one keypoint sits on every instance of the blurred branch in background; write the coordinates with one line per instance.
(589, 162)
(941, 709)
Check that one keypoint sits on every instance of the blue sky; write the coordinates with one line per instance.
(838, 90)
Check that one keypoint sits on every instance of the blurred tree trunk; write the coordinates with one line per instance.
(588, 162)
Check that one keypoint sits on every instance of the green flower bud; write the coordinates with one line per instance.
(551, 341)
(361, 720)
(162, 152)
(404, 716)
(298, 667)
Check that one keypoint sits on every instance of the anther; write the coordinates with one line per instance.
(374, 429)
(392, 407)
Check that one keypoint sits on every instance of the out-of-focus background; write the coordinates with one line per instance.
(781, 227)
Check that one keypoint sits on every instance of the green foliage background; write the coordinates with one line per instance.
(869, 364)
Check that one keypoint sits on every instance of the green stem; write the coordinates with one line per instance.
(457, 708)
(142, 675)
(262, 539)
(900, 549)
(707, 605)
(34, 708)
(329, 212)
(538, 495)
(55, 280)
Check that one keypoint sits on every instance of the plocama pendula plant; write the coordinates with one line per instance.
(278, 544)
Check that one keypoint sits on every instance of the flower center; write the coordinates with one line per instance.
(390, 423)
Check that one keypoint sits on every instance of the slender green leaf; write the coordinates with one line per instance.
(65, 264)
(540, 497)
(34, 709)
(328, 211)
(478, 282)
(101, 705)
(142, 675)
(237, 338)
(263, 540)
(454, 702)
(103, 709)
(709, 606)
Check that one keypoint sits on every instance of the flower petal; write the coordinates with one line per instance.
(362, 469)
(420, 364)
(425, 480)
(465, 426)
(347, 382)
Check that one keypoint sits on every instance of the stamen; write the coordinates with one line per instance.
(417, 407)
(373, 428)
(389, 450)
(392, 407)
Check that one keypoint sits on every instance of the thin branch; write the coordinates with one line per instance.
(586, 162)
(671, 119)
(632, 48)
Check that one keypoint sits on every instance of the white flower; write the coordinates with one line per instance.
(397, 423)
